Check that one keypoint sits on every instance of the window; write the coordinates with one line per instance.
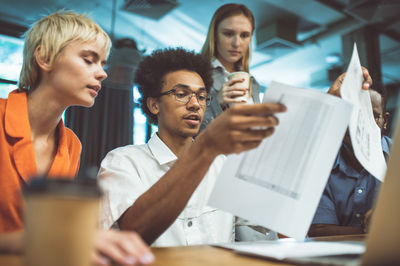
(10, 63)
(5, 89)
(141, 129)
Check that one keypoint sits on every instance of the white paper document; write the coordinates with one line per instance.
(365, 134)
(279, 184)
(287, 250)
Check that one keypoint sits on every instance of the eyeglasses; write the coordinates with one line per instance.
(183, 95)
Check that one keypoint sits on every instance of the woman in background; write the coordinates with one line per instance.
(228, 48)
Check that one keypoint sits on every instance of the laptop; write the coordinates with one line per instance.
(382, 245)
(383, 240)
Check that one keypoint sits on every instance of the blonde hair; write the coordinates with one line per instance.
(209, 50)
(52, 33)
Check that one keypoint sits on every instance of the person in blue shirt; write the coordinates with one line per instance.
(348, 198)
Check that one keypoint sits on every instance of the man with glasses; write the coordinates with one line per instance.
(160, 189)
(346, 204)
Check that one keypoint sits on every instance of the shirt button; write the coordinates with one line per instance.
(358, 215)
(189, 223)
(359, 191)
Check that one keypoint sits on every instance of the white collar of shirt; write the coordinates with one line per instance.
(216, 63)
(160, 150)
(128, 172)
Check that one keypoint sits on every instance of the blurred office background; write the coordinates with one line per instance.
(305, 43)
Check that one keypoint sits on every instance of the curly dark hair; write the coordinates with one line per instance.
(152, 69)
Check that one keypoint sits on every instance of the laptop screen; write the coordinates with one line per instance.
(383, 241)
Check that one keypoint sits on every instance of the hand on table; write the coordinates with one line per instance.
(366, 220)
(124, 248)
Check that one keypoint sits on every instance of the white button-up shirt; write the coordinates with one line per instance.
(127, 172)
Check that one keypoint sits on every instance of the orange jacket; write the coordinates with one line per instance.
(17, 159)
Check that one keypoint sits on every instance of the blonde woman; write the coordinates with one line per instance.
(228, 48)
(64, 56)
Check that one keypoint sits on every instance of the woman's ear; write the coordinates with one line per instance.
(153, 105)
(42, 62)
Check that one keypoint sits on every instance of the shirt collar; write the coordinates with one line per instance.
(17, 121)
(17, 126)
(217, 64)
(342, 164)
(160, 150)
(346, 168)
(16, 115)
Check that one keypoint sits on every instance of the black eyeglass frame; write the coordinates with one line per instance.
(173, 90)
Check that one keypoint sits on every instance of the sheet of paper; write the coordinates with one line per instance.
(279, 184)
(365, 135)
(287, 250)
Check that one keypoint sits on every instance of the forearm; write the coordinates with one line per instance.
(330, 230)
(156, 209)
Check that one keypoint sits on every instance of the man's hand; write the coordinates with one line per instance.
(124, 248)
(241, 127)
(335, 88)
(366, 221)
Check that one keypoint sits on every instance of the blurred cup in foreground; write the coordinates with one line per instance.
(61, 218)
(244, 84)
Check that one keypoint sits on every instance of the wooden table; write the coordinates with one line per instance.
(359, 238)
(205, 256)
(199, 255)
(181, 256)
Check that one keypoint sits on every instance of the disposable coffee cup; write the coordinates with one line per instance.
(247, 98)
(61, 219)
